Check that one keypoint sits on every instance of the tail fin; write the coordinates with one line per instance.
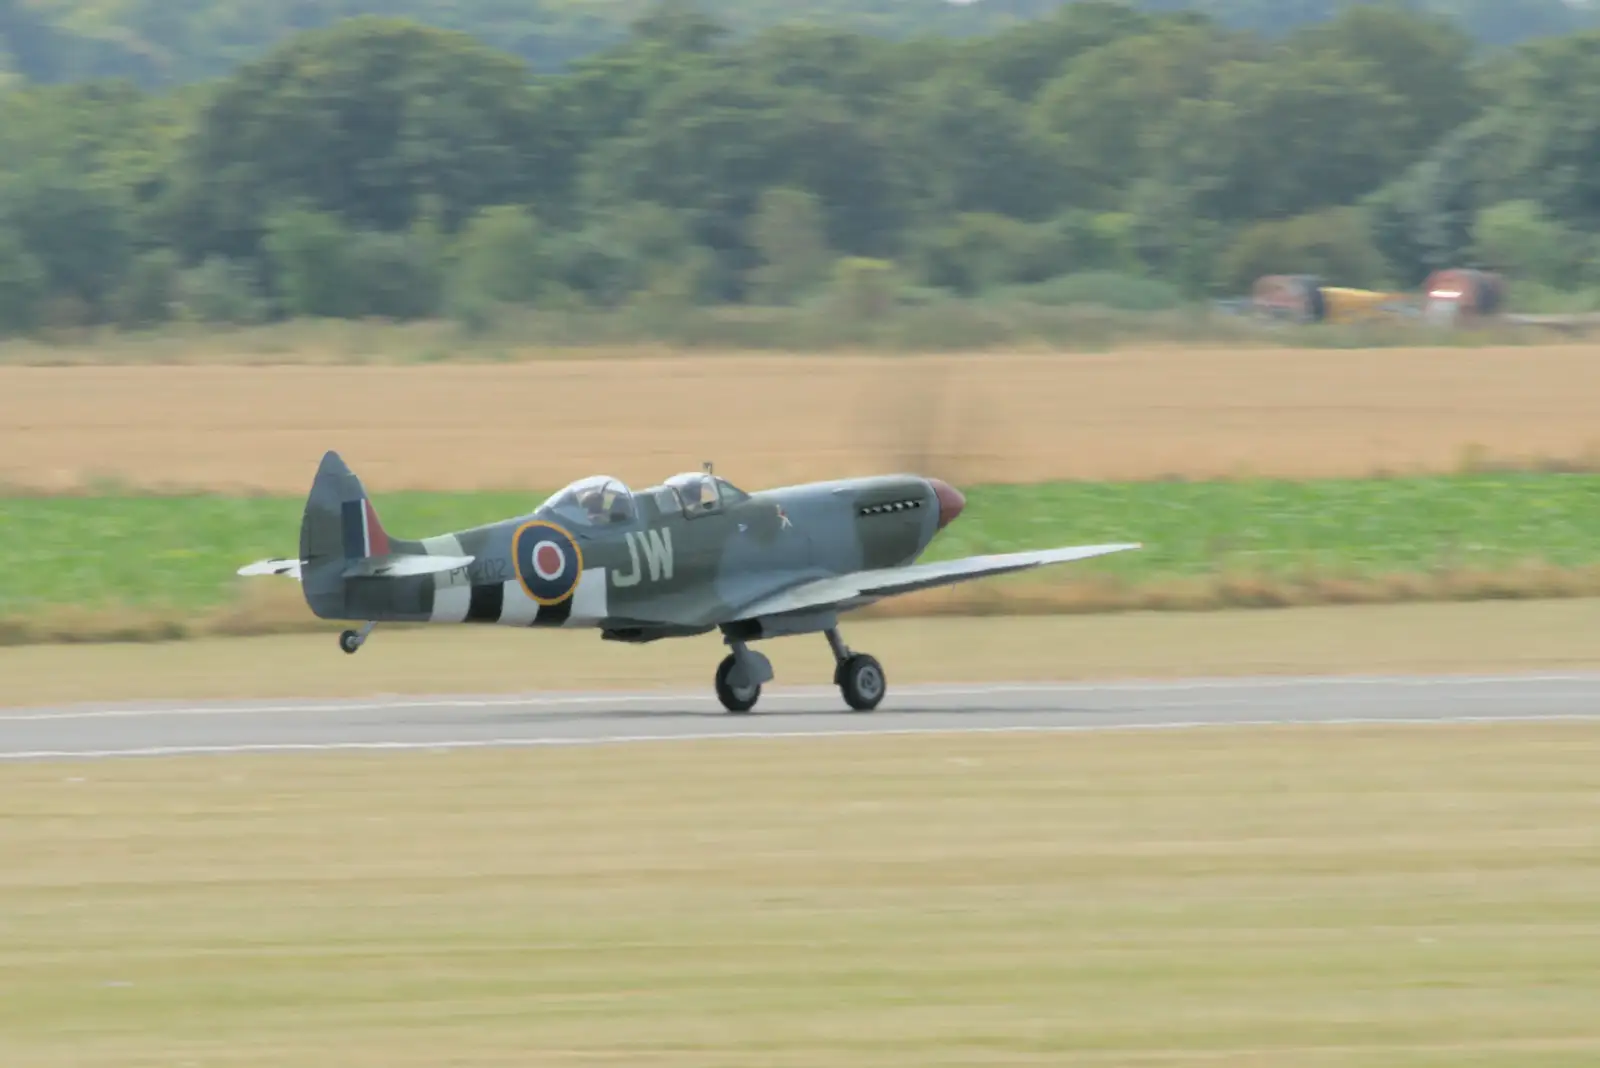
(340, 522)
(342, 541)
(339, 528)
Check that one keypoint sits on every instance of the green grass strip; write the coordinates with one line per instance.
(182, 551)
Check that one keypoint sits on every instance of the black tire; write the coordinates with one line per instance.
(862, 683)
(349, 641)
(742, 700)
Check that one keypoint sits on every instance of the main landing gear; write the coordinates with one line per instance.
(858, 676)
(741, 674)
(351, 640)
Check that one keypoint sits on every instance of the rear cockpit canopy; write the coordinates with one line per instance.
(599, 500)
(698, 493)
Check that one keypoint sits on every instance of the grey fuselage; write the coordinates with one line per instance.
(663, 564)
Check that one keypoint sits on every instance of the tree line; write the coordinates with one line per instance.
(173, 42)
(379, 167)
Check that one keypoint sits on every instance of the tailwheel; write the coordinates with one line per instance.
(351, 640)
(735, 698)
(860, 679)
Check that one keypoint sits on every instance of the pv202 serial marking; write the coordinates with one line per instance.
(689, 556)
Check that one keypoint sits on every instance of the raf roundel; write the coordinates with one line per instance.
(548, 561)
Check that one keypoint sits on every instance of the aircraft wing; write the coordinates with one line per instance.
(860, 587)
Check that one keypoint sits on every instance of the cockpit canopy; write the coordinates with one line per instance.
(599, 500)
(701, 494)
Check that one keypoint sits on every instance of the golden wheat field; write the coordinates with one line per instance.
(768, 419)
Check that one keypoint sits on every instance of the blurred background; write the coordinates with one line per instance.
(1302, 295)
(806, 174)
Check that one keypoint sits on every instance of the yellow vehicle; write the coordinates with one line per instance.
(1304, 299)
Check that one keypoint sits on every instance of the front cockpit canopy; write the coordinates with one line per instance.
(599, 500)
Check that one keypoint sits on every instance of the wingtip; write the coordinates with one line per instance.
(270, 566)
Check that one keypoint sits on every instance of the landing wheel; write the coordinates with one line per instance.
(860, 679)
(349, 641)
(735, 698)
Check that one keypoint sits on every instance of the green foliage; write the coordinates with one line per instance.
(395, 275)
(1106, 289)
(221, 291)
(981, 250)
(1518, 238)
(963, 147)
(1109, 109)
(1550, 123)
(863, 289)
(1284, 136)
(1355, 527)
(363, 120)
(1423, 220)
(1536, 298)
(498, 259)
(309, 254)
(22, 283)
(164, 42)
(634, 248)
(182, 551)
(75, 228)
(1335, 245)
(148, 290)
(787, 234)
(381, 167)
(1422, 59)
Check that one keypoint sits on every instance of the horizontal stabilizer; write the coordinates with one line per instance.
(275, 566)
(863, 586)
(398, 565)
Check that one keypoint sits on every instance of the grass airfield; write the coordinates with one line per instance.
(1335, 897)
(1330, 896)
(1521, 636)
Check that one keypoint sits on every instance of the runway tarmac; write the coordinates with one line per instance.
(420, 723)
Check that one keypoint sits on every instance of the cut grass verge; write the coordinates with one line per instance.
(1519, 637)
(139, 567)
(940, 325)
(1331, 897)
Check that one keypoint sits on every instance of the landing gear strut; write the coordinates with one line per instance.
(741, 673)
(858, 676)
(351, 640)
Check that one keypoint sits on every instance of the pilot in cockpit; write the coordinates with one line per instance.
(707, 492)
(604, 504)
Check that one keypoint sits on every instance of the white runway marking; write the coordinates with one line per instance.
(448, 745)
(807, 694)
(565, 719)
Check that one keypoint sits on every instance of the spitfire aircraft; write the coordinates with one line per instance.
(689, 556)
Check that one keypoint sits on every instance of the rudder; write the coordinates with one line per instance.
(339, 527)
